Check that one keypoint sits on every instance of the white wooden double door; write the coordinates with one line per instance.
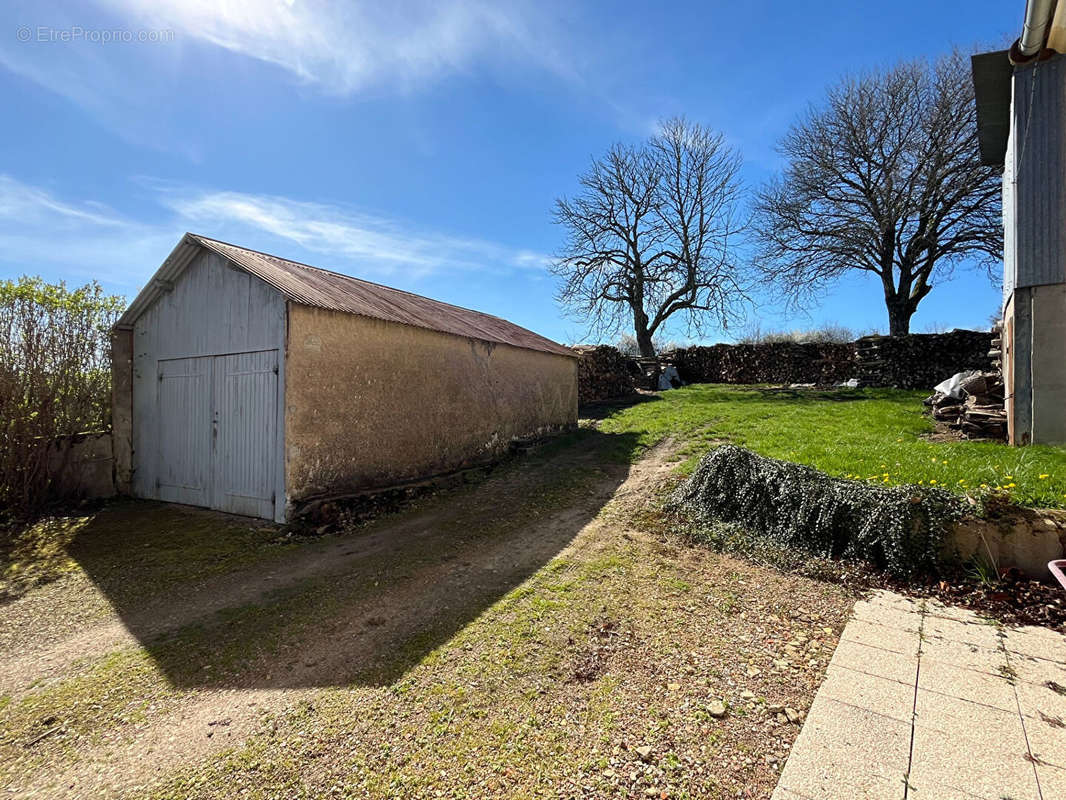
(218, 432)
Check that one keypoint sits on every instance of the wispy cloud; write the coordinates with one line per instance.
(74, 240)
(352, 46)
(367, 242)
(66, 238)
(340, 48)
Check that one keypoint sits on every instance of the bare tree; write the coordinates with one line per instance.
(651, 234)
(884, 178)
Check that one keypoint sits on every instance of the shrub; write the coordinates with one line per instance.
(898, 528)
(55, 378)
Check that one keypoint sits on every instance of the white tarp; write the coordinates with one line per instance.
(668, 378)
(952, 387)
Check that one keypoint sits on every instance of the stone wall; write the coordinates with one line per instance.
(82, 467)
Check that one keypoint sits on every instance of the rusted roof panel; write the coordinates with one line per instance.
(320, 288)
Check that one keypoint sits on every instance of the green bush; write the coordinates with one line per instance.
(55, 378)
(898, 528)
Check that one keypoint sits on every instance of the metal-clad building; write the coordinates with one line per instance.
(1021, 104)
(248, 383)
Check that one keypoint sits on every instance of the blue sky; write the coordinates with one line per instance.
(420, 145)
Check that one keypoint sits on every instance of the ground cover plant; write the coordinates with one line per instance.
(900, 529)
(873, 435)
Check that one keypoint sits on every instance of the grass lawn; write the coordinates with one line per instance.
(867, 434)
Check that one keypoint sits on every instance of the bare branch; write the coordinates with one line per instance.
(651, 235)
(885, 177)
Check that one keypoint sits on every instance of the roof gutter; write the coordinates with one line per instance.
(1034, 31)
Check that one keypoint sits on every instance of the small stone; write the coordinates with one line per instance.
(747, 694)
(673, 687)
(781, 718)
(753, 673)
(716, 708)
(644, 752)
(775, 708)
(793, 716)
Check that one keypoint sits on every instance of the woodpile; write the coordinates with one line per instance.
(823, 364)
(902, 362)
(920, 360)
(975, 407)
(603, 373)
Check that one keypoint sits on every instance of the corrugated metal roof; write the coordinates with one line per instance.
(333, 291)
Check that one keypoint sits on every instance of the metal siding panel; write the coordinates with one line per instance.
(1022, 366)
(1010, 259)
(197, 317)
(183, 454)
(1039, 124)
(245, 392)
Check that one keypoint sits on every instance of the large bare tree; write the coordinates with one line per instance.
(651, 234)
(884, 178)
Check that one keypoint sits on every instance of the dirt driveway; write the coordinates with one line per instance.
(529, 635)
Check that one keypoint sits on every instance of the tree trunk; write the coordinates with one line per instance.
(644, 344)
(640, 329)
(900, 312)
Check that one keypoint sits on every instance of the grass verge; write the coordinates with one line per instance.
(876, 435)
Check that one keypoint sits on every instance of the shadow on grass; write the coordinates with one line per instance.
(602, 409)
(221, 602)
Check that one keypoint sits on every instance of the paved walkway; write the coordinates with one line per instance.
(927, 702)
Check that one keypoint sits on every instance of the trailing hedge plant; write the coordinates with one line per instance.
(898, 528)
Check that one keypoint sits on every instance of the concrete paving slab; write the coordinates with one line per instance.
(1038, 670)
(1052, 783)
(963, 654)
(887, 697)
(1047, 743)
(1044, 717)
(904, 618)
(985, 721)
(934, 608)
(883, 637)
(959, 717)
(847, 751)
(1036, 642)
(974, 632)
(875, 661)
(982, 766)
(966, 684)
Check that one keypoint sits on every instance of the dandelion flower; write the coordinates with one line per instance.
(1044, 476)
(932, 481)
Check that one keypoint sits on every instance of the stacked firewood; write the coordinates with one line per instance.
(603, 373)
(974, 406)
(771, 362)
(919, 360)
